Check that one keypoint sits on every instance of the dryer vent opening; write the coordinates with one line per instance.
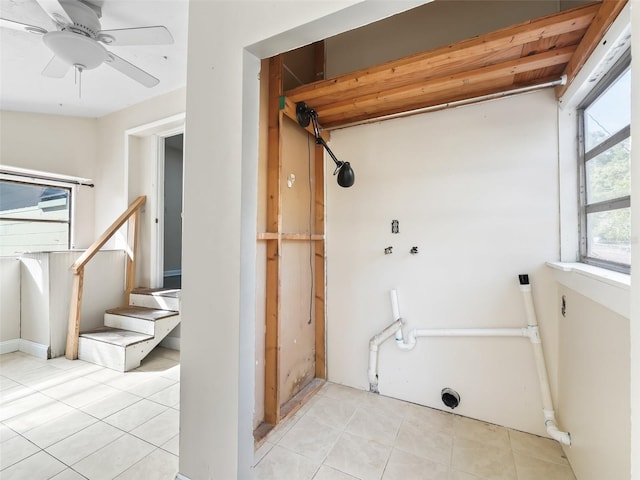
(450, 398)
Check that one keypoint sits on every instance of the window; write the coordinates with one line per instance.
(34, 217)
(605, 144)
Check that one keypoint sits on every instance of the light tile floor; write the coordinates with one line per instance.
(69, 420)
(348, 434)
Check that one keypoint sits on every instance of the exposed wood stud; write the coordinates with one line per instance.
(274, 224)
(319, 230)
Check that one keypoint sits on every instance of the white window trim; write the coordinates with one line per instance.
(606, 287)
(37, 177)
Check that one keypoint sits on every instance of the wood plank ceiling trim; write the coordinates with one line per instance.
(527, 54)
(607, 13)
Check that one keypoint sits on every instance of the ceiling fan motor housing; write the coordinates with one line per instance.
(85, 20)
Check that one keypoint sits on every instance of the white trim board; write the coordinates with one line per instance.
(9, 346)
(25, 346)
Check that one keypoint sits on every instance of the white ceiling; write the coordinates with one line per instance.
(104, 90)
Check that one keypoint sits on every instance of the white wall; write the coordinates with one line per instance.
(127, 168)
(9, 299)
(594, 387)
(475, 189)
(59, 145)
(45, 295)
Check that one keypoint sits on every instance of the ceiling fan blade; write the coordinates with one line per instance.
(157, 35)
(4, 23)
(131, 71)
(54, 9)
(56, 68)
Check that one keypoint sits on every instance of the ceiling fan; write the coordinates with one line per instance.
(79, 41)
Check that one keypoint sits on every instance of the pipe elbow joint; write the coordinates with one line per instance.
(561, 437)
(533, 332)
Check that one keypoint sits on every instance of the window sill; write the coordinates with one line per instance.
(608, 288)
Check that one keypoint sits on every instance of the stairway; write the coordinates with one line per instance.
(131, 332)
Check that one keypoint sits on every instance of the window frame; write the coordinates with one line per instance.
(61, 185)
(608, 79)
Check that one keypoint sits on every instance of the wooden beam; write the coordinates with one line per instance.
(377, 101)
(132, 255)
(444, 99)
(608, 12)
(274, 224)
(289, 236)
(109, 232)
(289, 109)
(319, 230)
(407, 70)
(75, 307)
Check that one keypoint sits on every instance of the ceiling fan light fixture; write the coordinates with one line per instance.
(75, 49)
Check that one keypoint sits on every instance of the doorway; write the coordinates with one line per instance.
(172, 211)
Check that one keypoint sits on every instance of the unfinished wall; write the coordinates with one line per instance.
(221, 156)
(475, 189)
(297, 292)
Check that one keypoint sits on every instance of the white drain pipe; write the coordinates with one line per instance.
(541, 367)
(374, 343)
(531, 331)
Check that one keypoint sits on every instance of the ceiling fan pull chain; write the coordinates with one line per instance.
(78, 76)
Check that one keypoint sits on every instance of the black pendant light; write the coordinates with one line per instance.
(304, 114)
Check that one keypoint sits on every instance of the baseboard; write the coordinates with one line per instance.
(172, 343)
(35, 349)
(181, 477)
(9, 346)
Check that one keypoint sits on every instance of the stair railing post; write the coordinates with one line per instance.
(73, 329)
(132, 240)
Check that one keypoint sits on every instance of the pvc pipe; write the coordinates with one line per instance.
(393, 294)
(532, 332)
(541, 367)
(374, 343)
(414, 334)
(561, 81)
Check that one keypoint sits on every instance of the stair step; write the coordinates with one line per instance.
(144, 313)
(121, 348)
(137, 319)
(162, 298)
(116, 336)
(161, 292)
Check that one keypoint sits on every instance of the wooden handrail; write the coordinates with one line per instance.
(108, 233)
(73, 329)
